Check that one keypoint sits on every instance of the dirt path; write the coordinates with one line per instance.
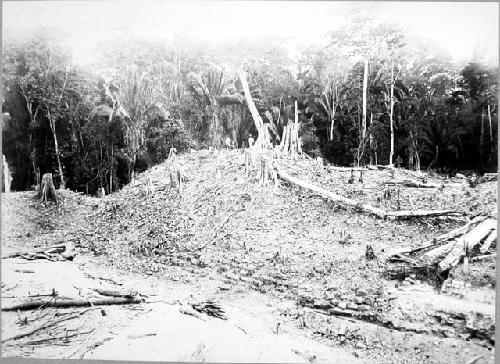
(149, 331)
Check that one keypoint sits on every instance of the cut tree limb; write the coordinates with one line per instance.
(488, 177)
(52, 253)
(119, 294)
(346, 169)
(412, 184)
(484, 257)
(71, 303)
(362, 207)
(419, 213)
(41, 327)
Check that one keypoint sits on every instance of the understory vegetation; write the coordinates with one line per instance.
(372, 95)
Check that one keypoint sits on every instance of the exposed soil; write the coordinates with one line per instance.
(266, 256)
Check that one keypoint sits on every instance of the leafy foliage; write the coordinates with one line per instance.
(142, 98)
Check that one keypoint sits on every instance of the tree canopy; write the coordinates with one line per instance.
(95, 126)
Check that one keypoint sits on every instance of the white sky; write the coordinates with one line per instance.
(460, 28)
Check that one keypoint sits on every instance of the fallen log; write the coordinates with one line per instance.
(346, 169)
(436, 254)
(118, 294)
(380, 166)
(412, 184)
(487, 243)
(438, 241)
(466, 244)
(488, 177)
(484, 257)
(64, 303)
(462, 230)
(361, 207)
(330, 195)
(51, 248)
(419, 213)
(448, 250)
(52, 253)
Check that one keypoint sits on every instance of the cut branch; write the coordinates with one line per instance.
(41, 327)
(71, 303)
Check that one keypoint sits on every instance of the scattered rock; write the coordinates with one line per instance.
(352, 306)
(360, 345)
(358, 300)
(322, 305)
(361, 293)
(225, 287)
(364, 308)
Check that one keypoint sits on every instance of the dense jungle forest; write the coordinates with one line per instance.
(372, 94)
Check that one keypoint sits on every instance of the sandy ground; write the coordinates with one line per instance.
(149, 331)
(289, 236)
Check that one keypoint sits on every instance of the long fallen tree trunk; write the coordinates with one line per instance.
(63, 303)
(361, 207)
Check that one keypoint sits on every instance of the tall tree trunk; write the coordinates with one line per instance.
(56, 147)
(371, 140)
(332, 123)
(110, 190)
(391, 154)
(489, 119)
(32, 116)
(112, 171)
(365, 91)
(215, 126)
(259, 123)
(6, 175)
(481, 141)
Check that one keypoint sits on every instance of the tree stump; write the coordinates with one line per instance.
(176, 180)
(264, 171)
(47, 190)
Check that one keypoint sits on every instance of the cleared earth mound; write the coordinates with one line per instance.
(225, 219)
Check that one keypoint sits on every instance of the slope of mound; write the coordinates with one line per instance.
(225, 220)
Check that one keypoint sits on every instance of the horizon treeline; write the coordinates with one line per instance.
(372, 95)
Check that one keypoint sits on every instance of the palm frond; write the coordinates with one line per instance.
(210, 308)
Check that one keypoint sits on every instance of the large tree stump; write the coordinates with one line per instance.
(47, 190)
(176, 180)
(263, 171)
